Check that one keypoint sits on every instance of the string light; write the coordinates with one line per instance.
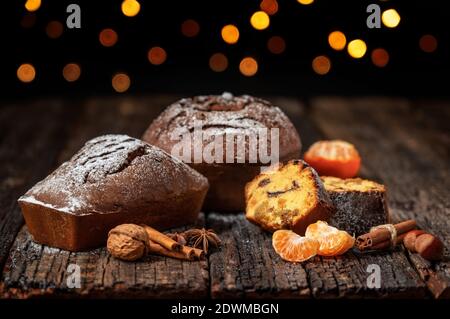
(337, 40)
(321, 64)
(260, 20)
(305, 2)
(190, 28)
(157, 55)
(218, 62)
(130, 8)
(230, 34)
(357, 48)
(26, 72)
(269, 6)
(71, 72)
(428, 43)
(32, 5)
(108, 37)
(390, 18)
(380, 57)
(248, 66)
(276, 44)
(54, 29)
(121, 82)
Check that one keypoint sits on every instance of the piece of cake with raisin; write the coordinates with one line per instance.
(287, 196)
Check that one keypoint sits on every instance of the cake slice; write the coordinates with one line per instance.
(360, 204)
(290, 196)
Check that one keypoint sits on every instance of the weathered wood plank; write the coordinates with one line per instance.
(248, 266)
(399, 149)
(31, 135)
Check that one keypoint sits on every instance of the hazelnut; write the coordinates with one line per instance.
(127, 242)
(429, 247)
(410, 239)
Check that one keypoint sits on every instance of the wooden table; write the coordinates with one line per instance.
(404, 144)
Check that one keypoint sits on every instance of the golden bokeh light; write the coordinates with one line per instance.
(71, 72)
(230, 34)
(32, 5)
(269, 6)
(276, 44)
(260, 20)
(218, 62)
(121, 82)
(380, 57)
(248, 66)
(26, 72)
(357, 48)
(428, 43)
(54, 29)
(130, 8)
(305, 2)
(390, 18)
(108, 37)
(157, 55)
(190, 28)
(321, 64)
(337, 40)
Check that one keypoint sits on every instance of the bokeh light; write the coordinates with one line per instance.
(32, 5)
(190, 28)
(130, 8)
(260, 20)
(26, 72)
(108, 37)
(337, 40)
(305, 2)
(218, 62)
(157, 55)
(428, 43)
(357, 48)
(71, 72)
(321, 64)
(380, 57)
(269, 6)
(230, 34)
(121, 82)
(390, 18)
(276, 44)
(248, 66)
(54, 29)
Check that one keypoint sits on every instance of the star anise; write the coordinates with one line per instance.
(202, 238)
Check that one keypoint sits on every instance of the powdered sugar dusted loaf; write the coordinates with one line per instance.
(113, 179)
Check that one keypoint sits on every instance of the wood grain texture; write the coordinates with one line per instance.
(400, 149)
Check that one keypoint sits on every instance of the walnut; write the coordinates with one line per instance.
(127, 242)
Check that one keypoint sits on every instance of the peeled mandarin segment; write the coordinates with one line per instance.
(332, 240)
(293, 247)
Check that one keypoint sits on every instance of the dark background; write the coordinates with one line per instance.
(410, 71)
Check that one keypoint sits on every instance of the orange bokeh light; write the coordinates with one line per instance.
(130, 8)
(230, 34)
(269, 6)
(26, 72)
(218, 62)
(337, 40)
(121, 82)
(428, 43)
(321, 65)
(248, 66)
(380, 57)
(54, 29)
(276, 45)
(71, 72)
(157, 55)
(190, 28)
(108, 37)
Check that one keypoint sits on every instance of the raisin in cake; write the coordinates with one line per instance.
(225, 116)
(113, 179)
(290, 196)
(360, 204)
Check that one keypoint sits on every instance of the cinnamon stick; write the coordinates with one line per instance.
(194, 252)
(387, 243)
(153, 247)
(382, 235)
(162, 239)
